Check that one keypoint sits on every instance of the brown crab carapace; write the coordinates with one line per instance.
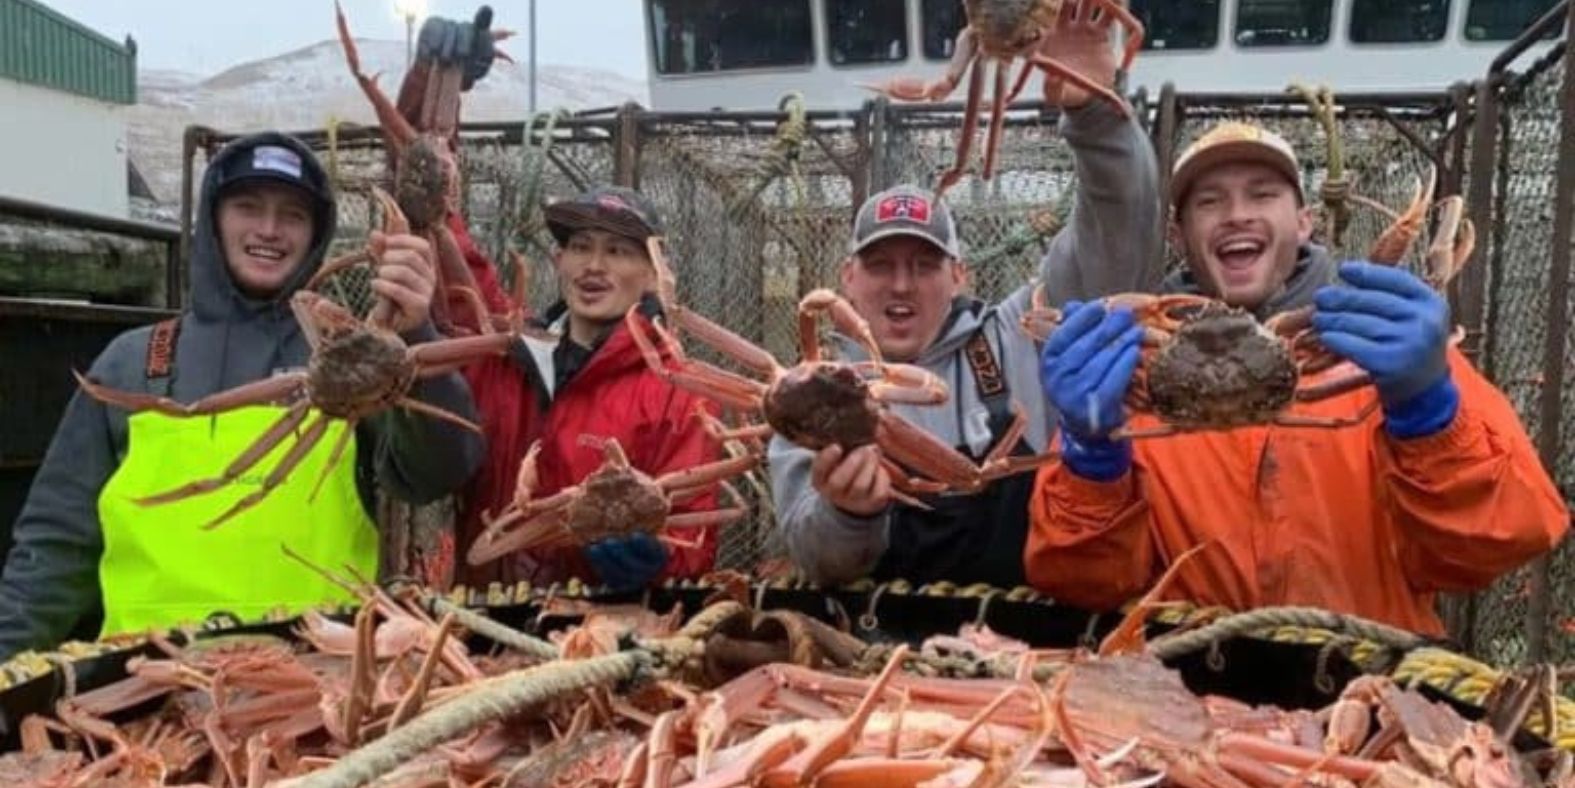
(1001, 32)
(1207, 365)
(614, 500)
(421, 133)
(357, 368)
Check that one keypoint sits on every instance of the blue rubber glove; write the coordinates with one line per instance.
(628, 563)
(1085, 368)
(1396, 327)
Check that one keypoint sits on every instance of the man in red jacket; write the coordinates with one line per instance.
(586, 378)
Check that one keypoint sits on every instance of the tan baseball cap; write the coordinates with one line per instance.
(1234, 141)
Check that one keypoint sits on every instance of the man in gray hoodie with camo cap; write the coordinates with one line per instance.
(905, 274)
(263, 225)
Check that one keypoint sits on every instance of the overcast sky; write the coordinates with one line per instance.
(208, 36)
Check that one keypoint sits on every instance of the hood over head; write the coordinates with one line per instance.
(270, 155)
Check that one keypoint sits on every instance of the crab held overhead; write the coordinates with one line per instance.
(421, 133)
(1002, 32)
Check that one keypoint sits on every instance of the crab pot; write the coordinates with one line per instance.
(1250, 669)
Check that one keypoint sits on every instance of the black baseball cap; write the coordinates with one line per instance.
(616, 209)
(266, 161)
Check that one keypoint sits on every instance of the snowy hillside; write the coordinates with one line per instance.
(303, 89)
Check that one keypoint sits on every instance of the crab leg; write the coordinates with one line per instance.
(1455, 242)
(998, 102)
(541, 530)
(436, 412)
(965, 135)
(696, 376)
(1396, 240)
(726, 342)
(396, 129)
(1135, 30)
(925, 454)
(314, 433)
(906, 383)
(701, 475)
(263, 391)
(916, 89)
(275, 434)
(343, 262)
(1059, 71)
(843, 316)
(333, 459)
(448, 352)
(454, 276)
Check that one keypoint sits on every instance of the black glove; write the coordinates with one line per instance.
(470, 43)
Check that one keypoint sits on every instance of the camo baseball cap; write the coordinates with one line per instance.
(1234, 141)
(905, 210)
(616, 209)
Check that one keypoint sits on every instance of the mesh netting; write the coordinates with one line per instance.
(1519, 248)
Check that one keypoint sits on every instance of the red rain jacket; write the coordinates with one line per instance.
(615, 395)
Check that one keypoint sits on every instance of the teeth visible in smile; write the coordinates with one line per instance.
(899, 311)
(263, 251)
(1235, 247)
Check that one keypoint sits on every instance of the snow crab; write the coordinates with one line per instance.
(357, 368)
(1002, 31)
(817, 402)
(421, 133)
(1208, 365)
(616, 499)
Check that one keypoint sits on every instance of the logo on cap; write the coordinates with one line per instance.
(278, 159)
(903, 207)
(612, 203)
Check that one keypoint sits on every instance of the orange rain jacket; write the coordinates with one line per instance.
(1350, 519)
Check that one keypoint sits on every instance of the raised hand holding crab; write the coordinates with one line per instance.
(357, 369)
(1068, 40)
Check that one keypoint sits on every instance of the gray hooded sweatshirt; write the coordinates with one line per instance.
(50, 581)
(1111, 244)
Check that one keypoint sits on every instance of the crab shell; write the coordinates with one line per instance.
(617, 501)
(1004, 28)
(1221, 368)
(816, 405)
(359, 371)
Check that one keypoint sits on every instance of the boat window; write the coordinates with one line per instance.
(1398, 21)
(866, 31)
(1504, 20)
(1279, 23)
(1178, 24)
(942, 20)
(718, 35)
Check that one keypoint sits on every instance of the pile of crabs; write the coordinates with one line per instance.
(415, 691)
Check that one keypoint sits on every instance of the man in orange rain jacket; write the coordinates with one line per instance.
(1440, 490)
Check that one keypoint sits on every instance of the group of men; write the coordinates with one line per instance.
(1439, 490)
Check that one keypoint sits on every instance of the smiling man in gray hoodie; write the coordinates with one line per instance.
(264, 223)
(905, 274)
